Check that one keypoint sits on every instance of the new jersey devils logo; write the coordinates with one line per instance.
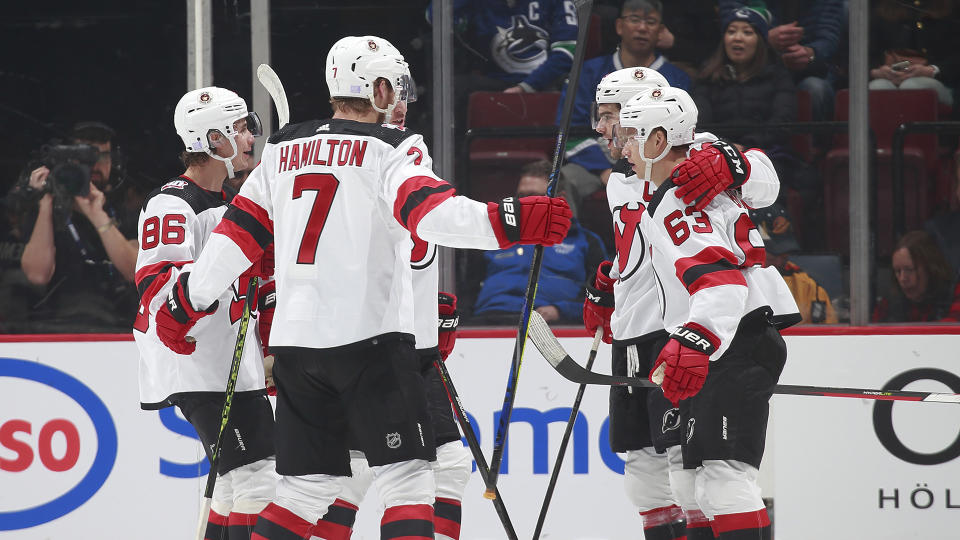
(423, 254)
(627, 238)
(239, 299)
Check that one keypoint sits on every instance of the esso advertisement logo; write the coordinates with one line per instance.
(55, 432)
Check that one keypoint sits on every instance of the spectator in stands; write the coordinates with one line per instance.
(691, 29)
(527, 45)
(807, 38)
(779, 242)
(924, 287)
(639, 27)
(945, 227)
(79, 246)
(915, 46)
(496, 281)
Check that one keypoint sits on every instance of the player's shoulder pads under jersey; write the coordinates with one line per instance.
(623, 167)
(658, 196)
(390, 134)
(198, 198)
(299, 130)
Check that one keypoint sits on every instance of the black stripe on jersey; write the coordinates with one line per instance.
(341, 516)
(623, 166)
(666, 186)
(390, 135)
(250, 224)
(145, 283)
(446, 510)
(198, 198)
(416, 528)
(215, 531)
(417, 197)
(268, 529)
(696, 272)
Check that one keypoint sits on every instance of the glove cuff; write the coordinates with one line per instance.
(599, 297)
(267, 296)
(603, 281)
(736, 162)
(697, 337)
(178, 302)
(505, 218)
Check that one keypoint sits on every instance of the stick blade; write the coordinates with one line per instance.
(544, 340)
(269, 79)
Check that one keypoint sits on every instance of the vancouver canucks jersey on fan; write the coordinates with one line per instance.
(341, 198)
(527, 41)
(709, 265)
(175, 223)
(636, 314)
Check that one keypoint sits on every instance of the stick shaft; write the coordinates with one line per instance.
(574, 411)
(500, 439)
(467, 428)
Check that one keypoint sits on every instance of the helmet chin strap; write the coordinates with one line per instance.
(229, 160)
(649, 162)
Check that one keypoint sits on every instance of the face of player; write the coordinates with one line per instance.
(740, 42)
(652, 148)
(609, 116)
(911, 277)
(244, 139)
(638, 31)
(100, 171)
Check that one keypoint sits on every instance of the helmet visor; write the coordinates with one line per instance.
(249, 122)
(406, 89)
(623, 135)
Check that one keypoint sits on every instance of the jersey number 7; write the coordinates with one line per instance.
(325, 185)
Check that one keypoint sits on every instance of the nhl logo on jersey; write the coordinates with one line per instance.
(656, 94)
(393, 440)
(205, 97)
(638, 74)
(372, 45)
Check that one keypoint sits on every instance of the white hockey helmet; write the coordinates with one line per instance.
(202, 112)
(621, 85)
(355, 63)
(671, 109)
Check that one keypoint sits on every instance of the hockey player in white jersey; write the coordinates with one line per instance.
(340, 199)
(643, 424)
(175, 223)
(723, 312)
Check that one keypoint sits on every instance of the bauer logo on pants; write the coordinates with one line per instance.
(393, 440)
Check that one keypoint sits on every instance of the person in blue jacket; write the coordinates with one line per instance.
(502, 276)
(639, 26)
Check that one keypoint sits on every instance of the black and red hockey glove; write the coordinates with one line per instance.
(447, 323)
(682, 365)
(598, 306)
(530, 220)
(177, 316)
(709, 172)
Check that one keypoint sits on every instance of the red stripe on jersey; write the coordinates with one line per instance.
(254, 210)
(744, 520)
(446, 527)
(277, 520)
(156, 268)
(712, 267)
(408, 511)
(416, 197)
(217, 519)
(241, 237)
(343, 503)
(247, 520)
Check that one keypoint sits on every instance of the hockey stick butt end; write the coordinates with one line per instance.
(490, 494)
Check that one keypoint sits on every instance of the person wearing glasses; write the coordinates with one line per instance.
(639, 26)
(80, 249)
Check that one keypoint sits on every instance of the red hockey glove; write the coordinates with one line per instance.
(266, 305)
(262, 267)
(447, 324)
(530, 220)
(709, 172)
(598, 305)
(682, 365)
(177, 316)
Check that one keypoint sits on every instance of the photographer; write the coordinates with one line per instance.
(76, 248)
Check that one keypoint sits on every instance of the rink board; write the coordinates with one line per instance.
(79, 459)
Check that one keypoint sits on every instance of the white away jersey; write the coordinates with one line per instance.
(636, 312)
(175, 223)
(708, 265)
(340, 200)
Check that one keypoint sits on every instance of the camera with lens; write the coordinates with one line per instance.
(69, 166)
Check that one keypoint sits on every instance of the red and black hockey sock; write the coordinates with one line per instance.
(659, 523)
(407, 521)
(446, 518)
(743, 526)
(698, 526)
(216, 527)
(240, 526)
(337, 523)
(278, 523)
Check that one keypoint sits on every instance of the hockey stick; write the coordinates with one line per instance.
(467, 428)
(227, 403)
(549, 346)
(500, 439)
(268, 78)
(574, 411)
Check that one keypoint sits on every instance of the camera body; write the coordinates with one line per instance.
(70, 166)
